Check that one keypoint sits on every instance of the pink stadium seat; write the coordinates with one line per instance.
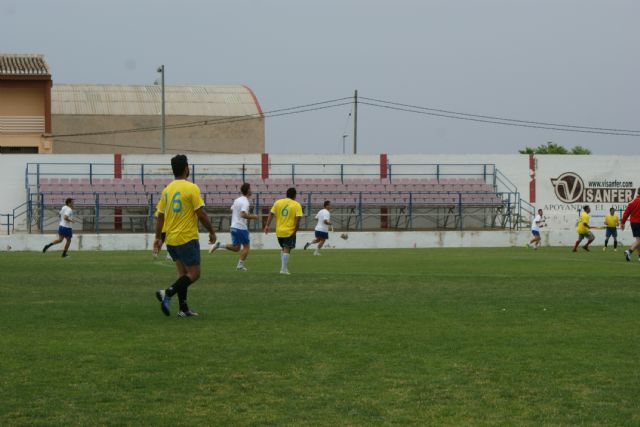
(84, 201)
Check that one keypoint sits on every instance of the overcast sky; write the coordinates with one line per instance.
(563, 61)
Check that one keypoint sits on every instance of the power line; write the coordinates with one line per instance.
(502, 119)
(373, 102)
(471, 119)
(273, 113)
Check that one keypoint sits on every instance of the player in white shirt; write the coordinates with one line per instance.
(65, 230)
(538, 222)
(239, 230)
(322, 228)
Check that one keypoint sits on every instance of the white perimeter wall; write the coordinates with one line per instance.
(358, 240)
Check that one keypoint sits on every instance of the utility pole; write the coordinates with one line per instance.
(355, 122)
(163, 146)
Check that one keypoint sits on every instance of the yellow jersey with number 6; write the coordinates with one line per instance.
(179, 202)
(286, 212)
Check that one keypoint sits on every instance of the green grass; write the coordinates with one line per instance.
(362, 337)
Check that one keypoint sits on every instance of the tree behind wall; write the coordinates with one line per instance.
(553, 148)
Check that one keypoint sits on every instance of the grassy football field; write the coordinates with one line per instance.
(355, 337)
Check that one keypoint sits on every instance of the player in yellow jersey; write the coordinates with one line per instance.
(179, 210)
(611, 221)
(287, 213)
(584, 230)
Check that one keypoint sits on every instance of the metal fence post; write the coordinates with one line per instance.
(258, 213)
(152, 213)
(41, 213)
(410, 211)
(38, 175)
(460, 209)
(438, 172)
(97, 213)
(519, 210)
(342, 173)
(244, 169)
(308, 213)
(360, 210)
(510, 211)
(293, 173)
(91, 173)
(142, 173)
(29, 213)
(193, 173)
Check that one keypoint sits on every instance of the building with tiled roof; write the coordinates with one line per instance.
(15, 64)
(25, 103)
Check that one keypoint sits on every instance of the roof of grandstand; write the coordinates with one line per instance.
(137, 100)
(12, 64)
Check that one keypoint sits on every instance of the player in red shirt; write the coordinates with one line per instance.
(633, 211)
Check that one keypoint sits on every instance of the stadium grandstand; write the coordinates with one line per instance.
(395, 197)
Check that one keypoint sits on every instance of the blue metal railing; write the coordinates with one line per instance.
(7, 220)
(35, 171)
(500, 178)
(357, 200)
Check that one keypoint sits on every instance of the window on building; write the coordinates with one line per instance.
(18, 150)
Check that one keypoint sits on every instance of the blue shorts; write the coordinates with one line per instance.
(611, 231)
(287, 242)
(322, 235)
(240, 237)
(535, 233)
(65, 232)
(188, 254)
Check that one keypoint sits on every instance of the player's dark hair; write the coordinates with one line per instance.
(68, 201)
(291, 193)
(179, 164)
(638, 192)
(586, 207)
(326, 203)
(244, 188)
(612, 209)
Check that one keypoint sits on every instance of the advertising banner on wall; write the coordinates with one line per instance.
(565, 184)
